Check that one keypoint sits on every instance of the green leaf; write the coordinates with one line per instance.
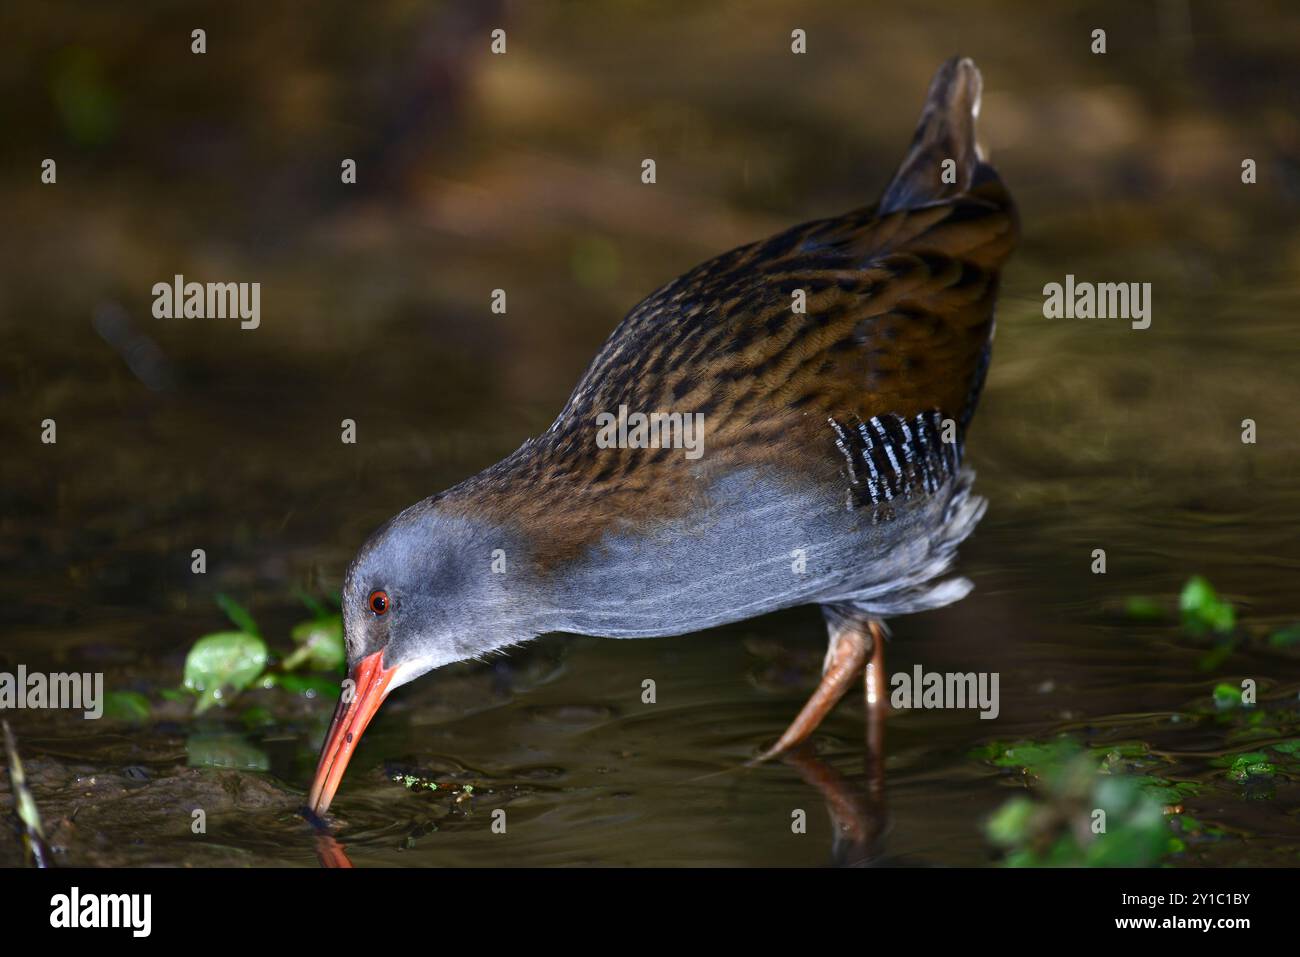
(1009, 825)
(1226, 696)
(1197, 593)
(126, 706)
(1144, 609)
(1287, 637)
(238, 614)
(1253, 764)
(225, 660)
(1123, 756)
(1203, 610)
(1032, 757)
(1059, 826)
(320, 645)
(1163, 791)
(1139, 840)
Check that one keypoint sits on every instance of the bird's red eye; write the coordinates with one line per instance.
(378, 602)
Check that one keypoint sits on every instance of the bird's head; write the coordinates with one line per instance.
(427, 589)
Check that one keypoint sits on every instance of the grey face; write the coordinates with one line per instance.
(426, 590)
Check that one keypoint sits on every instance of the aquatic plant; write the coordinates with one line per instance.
(224, 663)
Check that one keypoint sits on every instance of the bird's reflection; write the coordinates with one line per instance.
(330, 852)
(856, 808)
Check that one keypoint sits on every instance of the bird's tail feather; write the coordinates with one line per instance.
(946, 131)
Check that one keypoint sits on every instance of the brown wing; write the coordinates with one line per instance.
(898, 316)
(893, 337)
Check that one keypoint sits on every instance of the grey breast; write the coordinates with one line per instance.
(760, 542)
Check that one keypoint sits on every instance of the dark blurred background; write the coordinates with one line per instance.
(522, 172)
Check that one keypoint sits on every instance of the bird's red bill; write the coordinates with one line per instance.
(354, 712)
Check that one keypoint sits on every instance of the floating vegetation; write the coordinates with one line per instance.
(420, 780)
(1081, 817)
(1253, 764)
(1040, 760)
(1288, 637)
(1089, 806)
(1070, 781)
(1203, 610)
(1033, 758)
(1202, 614)
(1200, 610)
(414, 782)
(1228, 696)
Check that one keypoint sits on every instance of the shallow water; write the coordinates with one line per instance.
(1090, 434)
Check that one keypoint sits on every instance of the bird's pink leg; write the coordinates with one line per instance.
(877, 705)
(846, 658)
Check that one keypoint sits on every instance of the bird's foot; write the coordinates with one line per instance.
(850, 646)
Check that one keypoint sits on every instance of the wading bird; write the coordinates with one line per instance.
(837, 366)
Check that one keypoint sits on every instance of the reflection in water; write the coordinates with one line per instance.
(857, 810)
(330, 852)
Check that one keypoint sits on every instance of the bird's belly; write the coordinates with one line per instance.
(757, 544)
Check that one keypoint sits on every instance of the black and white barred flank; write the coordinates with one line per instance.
(891, 456)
